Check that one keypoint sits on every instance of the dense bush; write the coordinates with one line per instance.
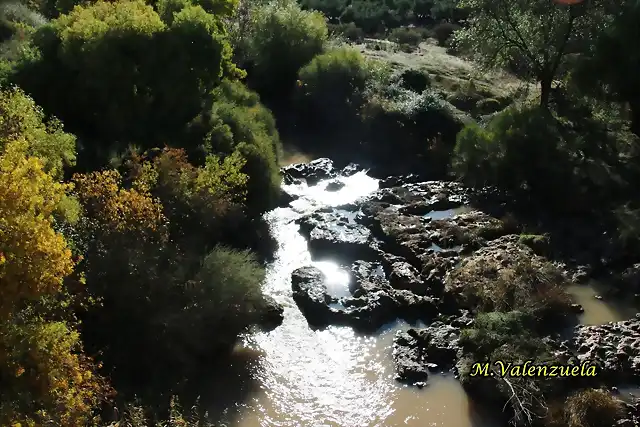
(163, 288)
(374, 16)
(237, 121)
(331, 89)
(281, 39)
(585, 408)
(590, 408)
(349, 31)
(46, 378)
(415, 80)
(22, 119)
(509, 151)
(106, 58)
(444, 31)
(410, 36)
(421, 126)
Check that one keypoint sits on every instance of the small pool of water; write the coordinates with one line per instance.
(447, 213)
(599, 311)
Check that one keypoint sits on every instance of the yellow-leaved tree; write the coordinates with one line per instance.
(45, 377)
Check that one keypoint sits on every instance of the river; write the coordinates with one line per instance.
(332, 377)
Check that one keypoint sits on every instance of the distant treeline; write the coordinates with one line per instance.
(375, 16)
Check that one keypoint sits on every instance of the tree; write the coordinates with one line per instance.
(21, 118)
(613, 64)
(532, 36)
(282, 38)
(46, 379)
(117, 74)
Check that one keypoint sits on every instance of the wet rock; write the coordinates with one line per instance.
(310, 293)
(415, 350)
(336, 234)
(409, 359)
(351, 169)
(285, 199)
(272, 313)
(577, 308)
(613, 347)
(397, 181)
(335, 185)
(375, 302)
(312, 172)
(405, 276)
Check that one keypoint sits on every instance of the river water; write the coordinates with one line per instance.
(294, 376)
(332, 377)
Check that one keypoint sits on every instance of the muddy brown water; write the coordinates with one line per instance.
(294, 376)
(599, 311)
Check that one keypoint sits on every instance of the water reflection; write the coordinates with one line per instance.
(336, 278)
(333, 377)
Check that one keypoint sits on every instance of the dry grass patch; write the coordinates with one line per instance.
(585, 408)
(506, 276)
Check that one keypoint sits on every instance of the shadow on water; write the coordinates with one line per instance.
(230, 385)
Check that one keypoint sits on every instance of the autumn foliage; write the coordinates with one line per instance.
(45, 377)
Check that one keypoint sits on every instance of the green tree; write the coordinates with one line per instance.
(103, 64)
(21, 118)
(532, 37)
(282, 38)
(331, 89)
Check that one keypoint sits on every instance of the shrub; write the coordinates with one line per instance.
(488, 106)
(591, 408)
(408, 36)
(46, 378)
(444, 31)
(160, 293)
(331, 89)
(494, 329)
(508, 151)
(349, 31)
(539, 243)
(421, 126)
(238, 122)
(282, 38)
(14, 14)
(415, 80)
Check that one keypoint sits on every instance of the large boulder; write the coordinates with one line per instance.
(435, 347)
(312, 172)
(310, 293)
(336, 234)
(271, 313)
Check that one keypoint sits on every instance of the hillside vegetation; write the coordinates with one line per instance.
(140, 144)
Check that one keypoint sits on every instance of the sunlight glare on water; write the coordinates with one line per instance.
(333, 377)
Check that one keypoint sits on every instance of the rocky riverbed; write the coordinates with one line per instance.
(415, 251)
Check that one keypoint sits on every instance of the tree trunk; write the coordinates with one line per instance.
(545, 92)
